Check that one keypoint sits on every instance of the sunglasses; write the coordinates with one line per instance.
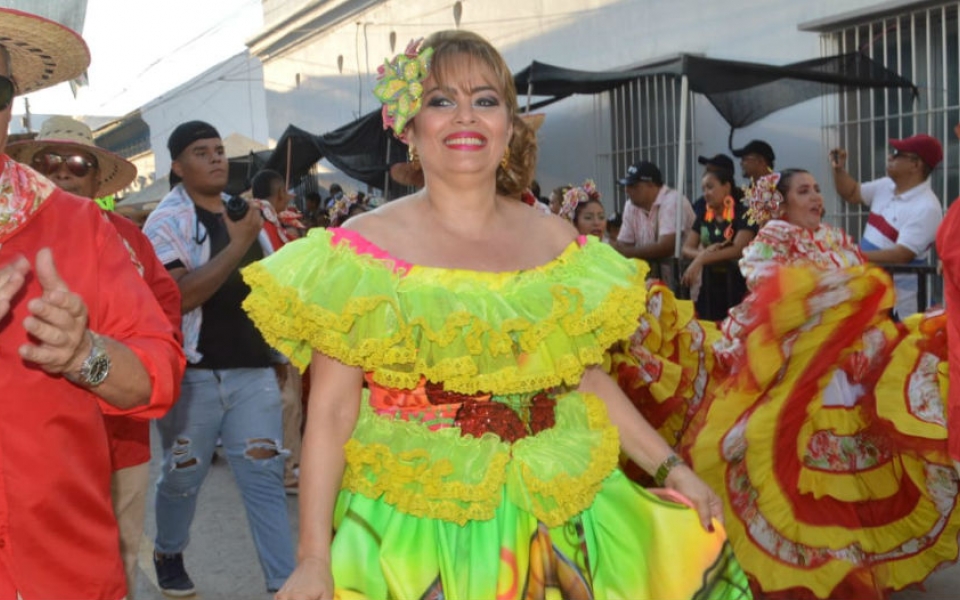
(897, 154)
(7, 91)
(49, 163)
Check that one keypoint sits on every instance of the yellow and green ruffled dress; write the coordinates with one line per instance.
(476, 469)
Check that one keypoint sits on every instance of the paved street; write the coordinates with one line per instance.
(221, 559)
(223, 564)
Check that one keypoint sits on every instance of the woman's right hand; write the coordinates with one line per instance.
(311, 580)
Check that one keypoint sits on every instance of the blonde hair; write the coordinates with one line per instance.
(451, 45)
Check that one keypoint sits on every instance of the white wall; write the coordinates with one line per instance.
(581, 34)
(230, 97)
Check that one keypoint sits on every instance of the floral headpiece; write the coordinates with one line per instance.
(763, 199)
(400, 89)
(341, 208)
(577, 195)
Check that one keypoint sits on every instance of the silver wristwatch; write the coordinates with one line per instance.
(96, 367)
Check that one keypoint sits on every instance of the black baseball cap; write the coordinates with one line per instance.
(642, 171)
(759, 147)
(717, 161)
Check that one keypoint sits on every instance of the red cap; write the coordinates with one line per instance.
(927, 148)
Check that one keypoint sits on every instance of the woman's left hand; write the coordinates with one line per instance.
(709, 506)
(692, 274)
(715, 246)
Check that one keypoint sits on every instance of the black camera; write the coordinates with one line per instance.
(237, 208)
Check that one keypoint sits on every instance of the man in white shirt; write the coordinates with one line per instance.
(649, 228)
(904, 211)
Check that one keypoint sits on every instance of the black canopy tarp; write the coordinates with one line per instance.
(359, 149)
(243, 168)
(742, 92)
(297, 150)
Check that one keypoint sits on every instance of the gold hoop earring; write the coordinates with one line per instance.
(505, 161)
(413, 157)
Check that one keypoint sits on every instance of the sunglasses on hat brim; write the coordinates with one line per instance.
(49, 163)
(7, 91)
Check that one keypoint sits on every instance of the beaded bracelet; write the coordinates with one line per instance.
(660, 477)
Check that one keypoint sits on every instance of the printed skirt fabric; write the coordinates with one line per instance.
(628, 544)
(428, 512)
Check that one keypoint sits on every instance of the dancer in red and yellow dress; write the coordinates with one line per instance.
(823, 427)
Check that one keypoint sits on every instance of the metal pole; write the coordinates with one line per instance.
(681, 160)
(386, 174)
(289, 159)
(529, 88)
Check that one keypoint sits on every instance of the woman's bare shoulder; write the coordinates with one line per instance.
(382, 219)
(543, 229)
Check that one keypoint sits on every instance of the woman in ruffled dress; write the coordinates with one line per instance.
(823, 426)
(480, 462)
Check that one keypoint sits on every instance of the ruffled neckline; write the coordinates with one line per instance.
(473, 331)
(362, 246)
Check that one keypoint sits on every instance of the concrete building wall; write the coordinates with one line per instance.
(229, 96)
(324, 78)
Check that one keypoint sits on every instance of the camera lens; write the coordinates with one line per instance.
(237, 208)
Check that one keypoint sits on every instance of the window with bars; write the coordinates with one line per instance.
(645, 125)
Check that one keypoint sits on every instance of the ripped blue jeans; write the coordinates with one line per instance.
(241, 407)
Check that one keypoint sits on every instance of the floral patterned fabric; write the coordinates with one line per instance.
(22, 191)
(779, 243)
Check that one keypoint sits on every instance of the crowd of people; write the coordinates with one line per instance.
(516, 405)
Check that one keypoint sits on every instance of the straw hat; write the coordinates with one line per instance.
(533, 120)
(406, 174)
(42, 52)
(115, 171)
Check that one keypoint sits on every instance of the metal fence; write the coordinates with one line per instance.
(645, 125)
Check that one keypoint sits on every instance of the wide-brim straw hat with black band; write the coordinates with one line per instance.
(115, 172)
(42, 52)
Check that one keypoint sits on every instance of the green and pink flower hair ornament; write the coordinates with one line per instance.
(401, 85)
(577, 195)
(763, 199)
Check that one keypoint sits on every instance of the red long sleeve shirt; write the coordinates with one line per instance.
(58, 536)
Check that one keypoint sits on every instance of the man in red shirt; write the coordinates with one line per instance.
(65, 152)
(80, 335)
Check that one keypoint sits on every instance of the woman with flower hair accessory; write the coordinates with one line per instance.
(822, 426)
(582, 206)
(714, 244)
(481, 461)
